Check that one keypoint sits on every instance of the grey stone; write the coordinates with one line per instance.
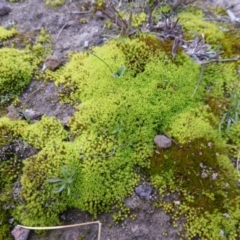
(133, 201)
(99, 40)
(144, 192)
(4, 10)
(162, 141)
(31, 114)
(20, 233)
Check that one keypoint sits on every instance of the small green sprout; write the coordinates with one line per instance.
(117, 128)
(231, 116)
(119, 72)
(64, 182)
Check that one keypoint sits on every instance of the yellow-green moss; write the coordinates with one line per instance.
(10, 130)
(6, 34)
(222, 37)
(194, 25)
(41, 205)
(15, 70)
(190, 125)
(138, 19)
(54, 3)
(114, 125)
(43, 132)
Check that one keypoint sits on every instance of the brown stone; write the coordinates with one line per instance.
(52, 62)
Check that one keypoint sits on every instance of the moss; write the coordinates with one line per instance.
(10, 168)
(54, 3)
(10, 130)
(223, 37)
(230, 44)
(44, 131)
(113, 129)
(40, 204)
(15, 70)
(6, 34)
(190, 125)
(192, 23)
(234, 135)
(4, 230)
(138, 19)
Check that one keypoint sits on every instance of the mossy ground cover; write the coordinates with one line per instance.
(109, 140)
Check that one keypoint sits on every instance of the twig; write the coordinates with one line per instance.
(199, 80)
(31, 95)
(101, 60)
(76, 12)
(63, 28)
(171, 138)
(237, 164)
(66, 226)
(222, 60)
(217, 19)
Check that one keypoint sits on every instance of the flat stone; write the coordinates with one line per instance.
(4, 9)
(20, 233)
(162, 141)
(144, 192)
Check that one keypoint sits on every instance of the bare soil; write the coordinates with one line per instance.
(41, 97)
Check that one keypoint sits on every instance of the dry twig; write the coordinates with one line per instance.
(66, 226)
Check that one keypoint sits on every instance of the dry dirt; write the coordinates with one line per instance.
(32, 15)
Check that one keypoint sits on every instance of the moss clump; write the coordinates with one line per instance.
(192, 23)
(54, 3)
(139, 19)
(106, 170)
(15, 71)
(10, 130)
(44, 131)
(6, 34)
(10, 167)
(41, 206)
(191, 124)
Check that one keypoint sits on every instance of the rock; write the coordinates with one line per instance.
(100, 15)
(11, 220)
(144, 192)
(20, 233)
(162, 141)
(52, 62)
(99, 40)
(133, 201)
(65, 121)
(4, 10)
(13, 113)
(31, 114)
(86, 44)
